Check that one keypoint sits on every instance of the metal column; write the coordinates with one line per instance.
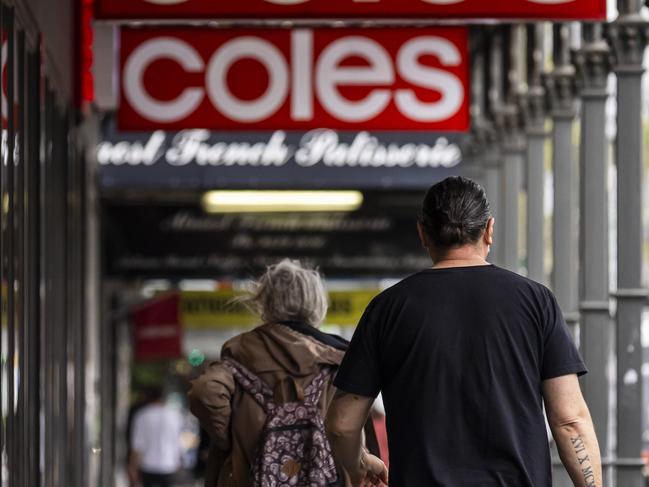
(628, 38)
(595, 326)
(536, 138)
(514, 153)
(477, 139)
(493, 149)
(511, 190)
(493, 187)
(562, 92)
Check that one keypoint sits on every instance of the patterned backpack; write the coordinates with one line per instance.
(293, 449)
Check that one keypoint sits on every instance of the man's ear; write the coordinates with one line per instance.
(422, 235)
(489, 232)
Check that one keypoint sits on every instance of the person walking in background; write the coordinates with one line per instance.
(156, 449)
(465, 355)
(263, 404)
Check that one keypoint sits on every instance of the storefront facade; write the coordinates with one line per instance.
(42, 243)
(517, 85)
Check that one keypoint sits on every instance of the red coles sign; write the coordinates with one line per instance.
(370, 79)
(520, 9)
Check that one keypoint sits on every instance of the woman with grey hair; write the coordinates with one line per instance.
(287, 291)
(271, 388)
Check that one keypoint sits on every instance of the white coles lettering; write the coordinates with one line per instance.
(301, 62)
(330, 74)
(436, 79)
(136, 93)
(304, 76)
(217, 85)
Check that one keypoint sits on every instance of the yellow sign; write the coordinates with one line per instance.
(347, 307)
(214, 309)
(220, 309)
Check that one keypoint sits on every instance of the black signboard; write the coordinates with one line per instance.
(183, 241)
(322, 158)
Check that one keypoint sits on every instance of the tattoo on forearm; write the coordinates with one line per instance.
(584, 461)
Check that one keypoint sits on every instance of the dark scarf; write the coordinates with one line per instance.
(334, 341)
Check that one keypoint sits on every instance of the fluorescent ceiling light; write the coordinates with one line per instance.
(198, 285)
(280, 201)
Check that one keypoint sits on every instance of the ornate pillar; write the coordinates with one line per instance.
(477, 138)
(536, 138)
(492, 183)
(493, 186)
(592, 62)
(514, 147)
(561, 97)
(561, 88)
(493, 147)
(628, 37)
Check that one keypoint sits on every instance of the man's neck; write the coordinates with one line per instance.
(460, 257)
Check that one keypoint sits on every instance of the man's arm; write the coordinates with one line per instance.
(573, 431)
(133, 469)
(345, 419)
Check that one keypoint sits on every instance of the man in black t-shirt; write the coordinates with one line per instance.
(465, 355)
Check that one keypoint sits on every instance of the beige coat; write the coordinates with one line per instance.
(232, 418)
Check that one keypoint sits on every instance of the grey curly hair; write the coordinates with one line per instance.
(289, 291)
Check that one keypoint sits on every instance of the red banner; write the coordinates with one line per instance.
(259, 9)
(369, 79)
(157, 331)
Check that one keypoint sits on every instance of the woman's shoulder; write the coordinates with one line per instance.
(232, 346)
(276, 347)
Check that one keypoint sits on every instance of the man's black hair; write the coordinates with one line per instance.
(153, 393)
(455, 212)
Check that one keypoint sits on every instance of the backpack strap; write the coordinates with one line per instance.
(252, 384)
(313, 391)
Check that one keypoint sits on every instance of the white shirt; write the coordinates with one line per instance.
(156, 438)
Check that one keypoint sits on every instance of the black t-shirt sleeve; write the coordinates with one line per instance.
(359, 372)
(560, 355)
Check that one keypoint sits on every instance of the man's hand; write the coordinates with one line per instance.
(133, 474)
(372, 471)
(345, 419)
(133, 469)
